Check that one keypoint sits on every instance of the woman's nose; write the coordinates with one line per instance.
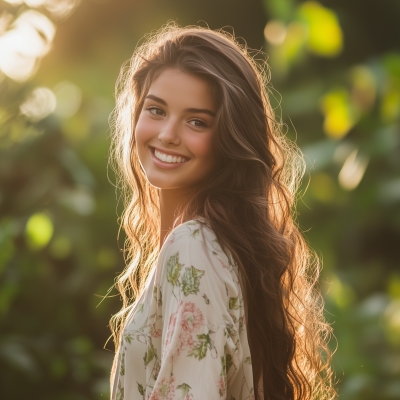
(170, 133)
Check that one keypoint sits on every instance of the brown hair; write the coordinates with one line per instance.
(247, 201)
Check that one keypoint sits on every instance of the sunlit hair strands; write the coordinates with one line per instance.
(248, 202)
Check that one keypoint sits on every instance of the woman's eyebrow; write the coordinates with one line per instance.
(190, 110)
(200, 110)
(152, 97)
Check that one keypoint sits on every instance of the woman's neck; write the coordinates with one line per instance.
(170, 201)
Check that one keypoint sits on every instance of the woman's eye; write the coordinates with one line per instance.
(197, 123)
(156, 111)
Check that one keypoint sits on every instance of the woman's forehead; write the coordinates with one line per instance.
(177, 87)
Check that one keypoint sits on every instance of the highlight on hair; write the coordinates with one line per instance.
(248, 201)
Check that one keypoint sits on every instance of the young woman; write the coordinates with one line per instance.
(218, 294)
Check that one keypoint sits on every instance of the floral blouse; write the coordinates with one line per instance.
(186, 338)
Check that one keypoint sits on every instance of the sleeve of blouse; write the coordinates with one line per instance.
(199, 343)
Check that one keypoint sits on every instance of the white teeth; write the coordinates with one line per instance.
(169, 158)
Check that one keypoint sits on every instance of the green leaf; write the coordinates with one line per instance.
(233, 303)
(229, 362)
(160, 299)
(140, 308)
(173, 269)
(206, 299)
(199, 350)
(120, 392)
(241, 325)
(150, 353)
(191, 280)
(185, 389)
(248, 360)
(122, 369)
(196, 233)
(129, 337)
(140, 388)
(226, 362)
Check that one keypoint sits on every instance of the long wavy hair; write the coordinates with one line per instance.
(248, 201)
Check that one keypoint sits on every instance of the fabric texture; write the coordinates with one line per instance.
(186, 338)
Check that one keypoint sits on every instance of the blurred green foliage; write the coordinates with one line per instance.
(337, 87)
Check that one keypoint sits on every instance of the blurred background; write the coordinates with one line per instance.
(335, 81)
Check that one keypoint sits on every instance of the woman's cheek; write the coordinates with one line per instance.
(200, 145)
(145, 130)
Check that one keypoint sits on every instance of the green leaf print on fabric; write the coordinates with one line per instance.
(120, 392)
(150, 353)
(140, 308)
(248, 360)
(160, 299)
(233, 303)
(191, 280)
(173, 269)
(227, 363)
(196, 233)
(185, 389)
(140, 388)
(122, 369)
(129, 337)
(206, 299)
(199, 350)
(192, 223)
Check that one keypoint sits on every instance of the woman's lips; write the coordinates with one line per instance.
(162, 164)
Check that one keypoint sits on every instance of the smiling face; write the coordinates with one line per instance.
(174, 130)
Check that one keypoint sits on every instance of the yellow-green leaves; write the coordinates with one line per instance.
(191, 280)
(339, 113)
(39, 230)
(310, 27)
(173, 269)
(325, 36)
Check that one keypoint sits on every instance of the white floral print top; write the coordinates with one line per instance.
(186, 339)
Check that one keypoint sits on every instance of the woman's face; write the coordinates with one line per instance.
(174, 130)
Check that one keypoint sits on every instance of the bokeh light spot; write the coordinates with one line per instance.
(29, 38)
(339, 116)
(275, 32)
(353, 170)
(69, 97)
(39, 230)
(325, 34)
(39, 104)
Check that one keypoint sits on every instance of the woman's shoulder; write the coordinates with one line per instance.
(192, 234)
(195, 243)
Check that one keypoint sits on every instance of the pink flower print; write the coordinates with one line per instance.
(191, 321)
(187, 320)
(192, 318)
(165, 390)
(171, 329)
(222, 263)
(154, 332)
(221, 387)
(171, 239)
